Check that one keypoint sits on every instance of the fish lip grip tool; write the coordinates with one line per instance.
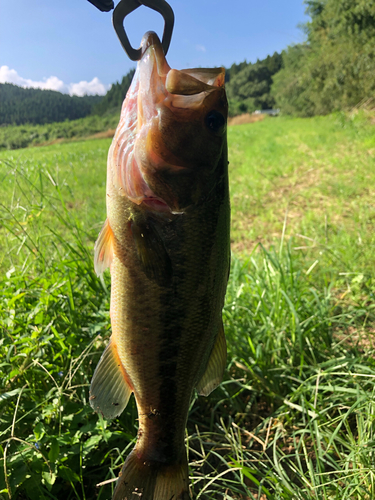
(125, 7)
(103, 5)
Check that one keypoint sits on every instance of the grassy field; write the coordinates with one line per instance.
(295, 415)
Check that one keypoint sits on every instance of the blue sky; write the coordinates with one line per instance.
(69, 45)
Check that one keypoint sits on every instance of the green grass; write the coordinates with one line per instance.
(320, 173)
(295, 415)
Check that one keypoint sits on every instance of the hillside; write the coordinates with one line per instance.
(37, 107)
(22, 136)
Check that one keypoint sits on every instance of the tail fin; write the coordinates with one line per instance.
(141, 480)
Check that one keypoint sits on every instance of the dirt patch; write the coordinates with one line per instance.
(107, 134)
(48, 143)
(361, 339)
(245, 118)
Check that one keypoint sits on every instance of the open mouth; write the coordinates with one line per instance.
(184, 88)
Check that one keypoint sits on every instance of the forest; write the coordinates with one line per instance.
(37, 107)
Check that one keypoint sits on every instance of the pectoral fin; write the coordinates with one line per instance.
(215, 366)
(103, 249)
(151, 251)
(110, 388)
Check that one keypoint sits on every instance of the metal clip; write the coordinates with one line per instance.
(125, 7)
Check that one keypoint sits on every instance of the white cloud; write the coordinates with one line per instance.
(8, 75)
(90, 88)
(200, 48)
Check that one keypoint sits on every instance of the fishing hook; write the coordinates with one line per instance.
(125, 7)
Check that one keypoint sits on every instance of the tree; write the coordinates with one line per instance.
(249, 85)
(335, 68)
(36, 106)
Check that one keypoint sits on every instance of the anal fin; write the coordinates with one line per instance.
(215, 366)
(103, 249)
(110, 389)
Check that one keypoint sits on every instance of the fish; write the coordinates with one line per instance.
(166, 242)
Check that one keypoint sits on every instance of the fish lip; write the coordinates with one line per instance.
(150, 41)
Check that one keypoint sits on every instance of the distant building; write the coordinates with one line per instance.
(271, 112)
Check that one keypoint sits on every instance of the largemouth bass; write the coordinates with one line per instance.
(166, 241)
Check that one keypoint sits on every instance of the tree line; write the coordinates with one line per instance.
(35, 106)
(248, 87)
(334, 69)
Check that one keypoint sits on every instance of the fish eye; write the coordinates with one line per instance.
(215, 121)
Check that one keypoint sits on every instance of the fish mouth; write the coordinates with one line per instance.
(156, 75)
(153, 70)
(151, 43)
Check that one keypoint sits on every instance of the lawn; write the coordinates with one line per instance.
(295, 415)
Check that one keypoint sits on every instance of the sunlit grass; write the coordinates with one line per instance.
(294, 417)
(320, 173)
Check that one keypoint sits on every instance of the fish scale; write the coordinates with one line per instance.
(166, 241)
